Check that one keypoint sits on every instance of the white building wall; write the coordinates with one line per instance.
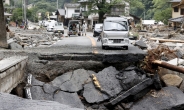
(69, 12)
(7, 2)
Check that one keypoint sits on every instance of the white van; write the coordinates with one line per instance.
(115, 32)
(51, 24)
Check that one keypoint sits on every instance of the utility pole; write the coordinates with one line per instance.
(57, 4)
(25, 10)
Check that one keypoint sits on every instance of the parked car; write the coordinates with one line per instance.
(115, 32)
(97, 29)
(58, 28)
(72, 30)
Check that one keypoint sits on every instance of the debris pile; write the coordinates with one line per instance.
(34, 38)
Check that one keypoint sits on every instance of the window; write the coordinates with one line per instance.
(182, 12)
(77, 11)
(175, 9)
(115, 26)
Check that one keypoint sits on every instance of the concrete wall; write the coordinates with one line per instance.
(12, 72)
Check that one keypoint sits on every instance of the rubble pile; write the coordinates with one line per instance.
(34, 38)
(162, 52)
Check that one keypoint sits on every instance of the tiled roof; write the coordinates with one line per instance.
(175, 1)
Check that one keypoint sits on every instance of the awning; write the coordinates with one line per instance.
(178, 19)
(7, 14)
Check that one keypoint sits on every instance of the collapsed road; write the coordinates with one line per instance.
(76, 77)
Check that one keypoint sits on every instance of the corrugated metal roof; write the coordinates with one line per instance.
(178, 19)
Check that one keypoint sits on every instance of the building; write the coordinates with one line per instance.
(7, 2)
(60, 15)
(92, 19)
(120, 9)
(177, 12)
(72, 11)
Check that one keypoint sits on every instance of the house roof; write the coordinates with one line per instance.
(83, 1)
(180, 2)
(71, 5)
(175, 1)
(178, 19)
(60, 12)
(136, 17)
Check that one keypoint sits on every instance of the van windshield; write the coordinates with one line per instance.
(115, 26)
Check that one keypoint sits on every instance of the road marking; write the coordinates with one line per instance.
(93, 42)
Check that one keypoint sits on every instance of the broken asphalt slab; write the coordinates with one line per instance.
(46, 91)
(12, 102)
(72, 81)
(110, 86)
(168, 98)
(132, 91)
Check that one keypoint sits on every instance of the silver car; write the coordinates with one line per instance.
(115, 32)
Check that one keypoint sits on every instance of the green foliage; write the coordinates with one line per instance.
(163, 15)
(17, 14)
(162, 10)
(159, 10)
(101, 7)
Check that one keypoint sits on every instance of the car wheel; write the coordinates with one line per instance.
(68, 34)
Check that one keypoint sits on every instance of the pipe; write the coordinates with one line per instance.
(168, 66)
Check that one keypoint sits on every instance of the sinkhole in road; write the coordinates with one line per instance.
(48, 68)
(47, 71)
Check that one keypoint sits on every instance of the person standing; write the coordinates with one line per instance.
(16, 23)
(77, 29)
(84, 27)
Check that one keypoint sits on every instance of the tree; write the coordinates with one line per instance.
(3, 39)
(101, 7)
(162, 10)
(17, 14)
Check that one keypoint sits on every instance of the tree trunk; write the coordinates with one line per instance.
(3, 39)
(101, 17)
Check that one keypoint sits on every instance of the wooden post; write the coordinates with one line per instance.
(3, 39)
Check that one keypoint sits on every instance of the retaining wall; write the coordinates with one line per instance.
(12, 72)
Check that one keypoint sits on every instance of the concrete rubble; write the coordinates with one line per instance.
(12, 102)
(30, 39)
